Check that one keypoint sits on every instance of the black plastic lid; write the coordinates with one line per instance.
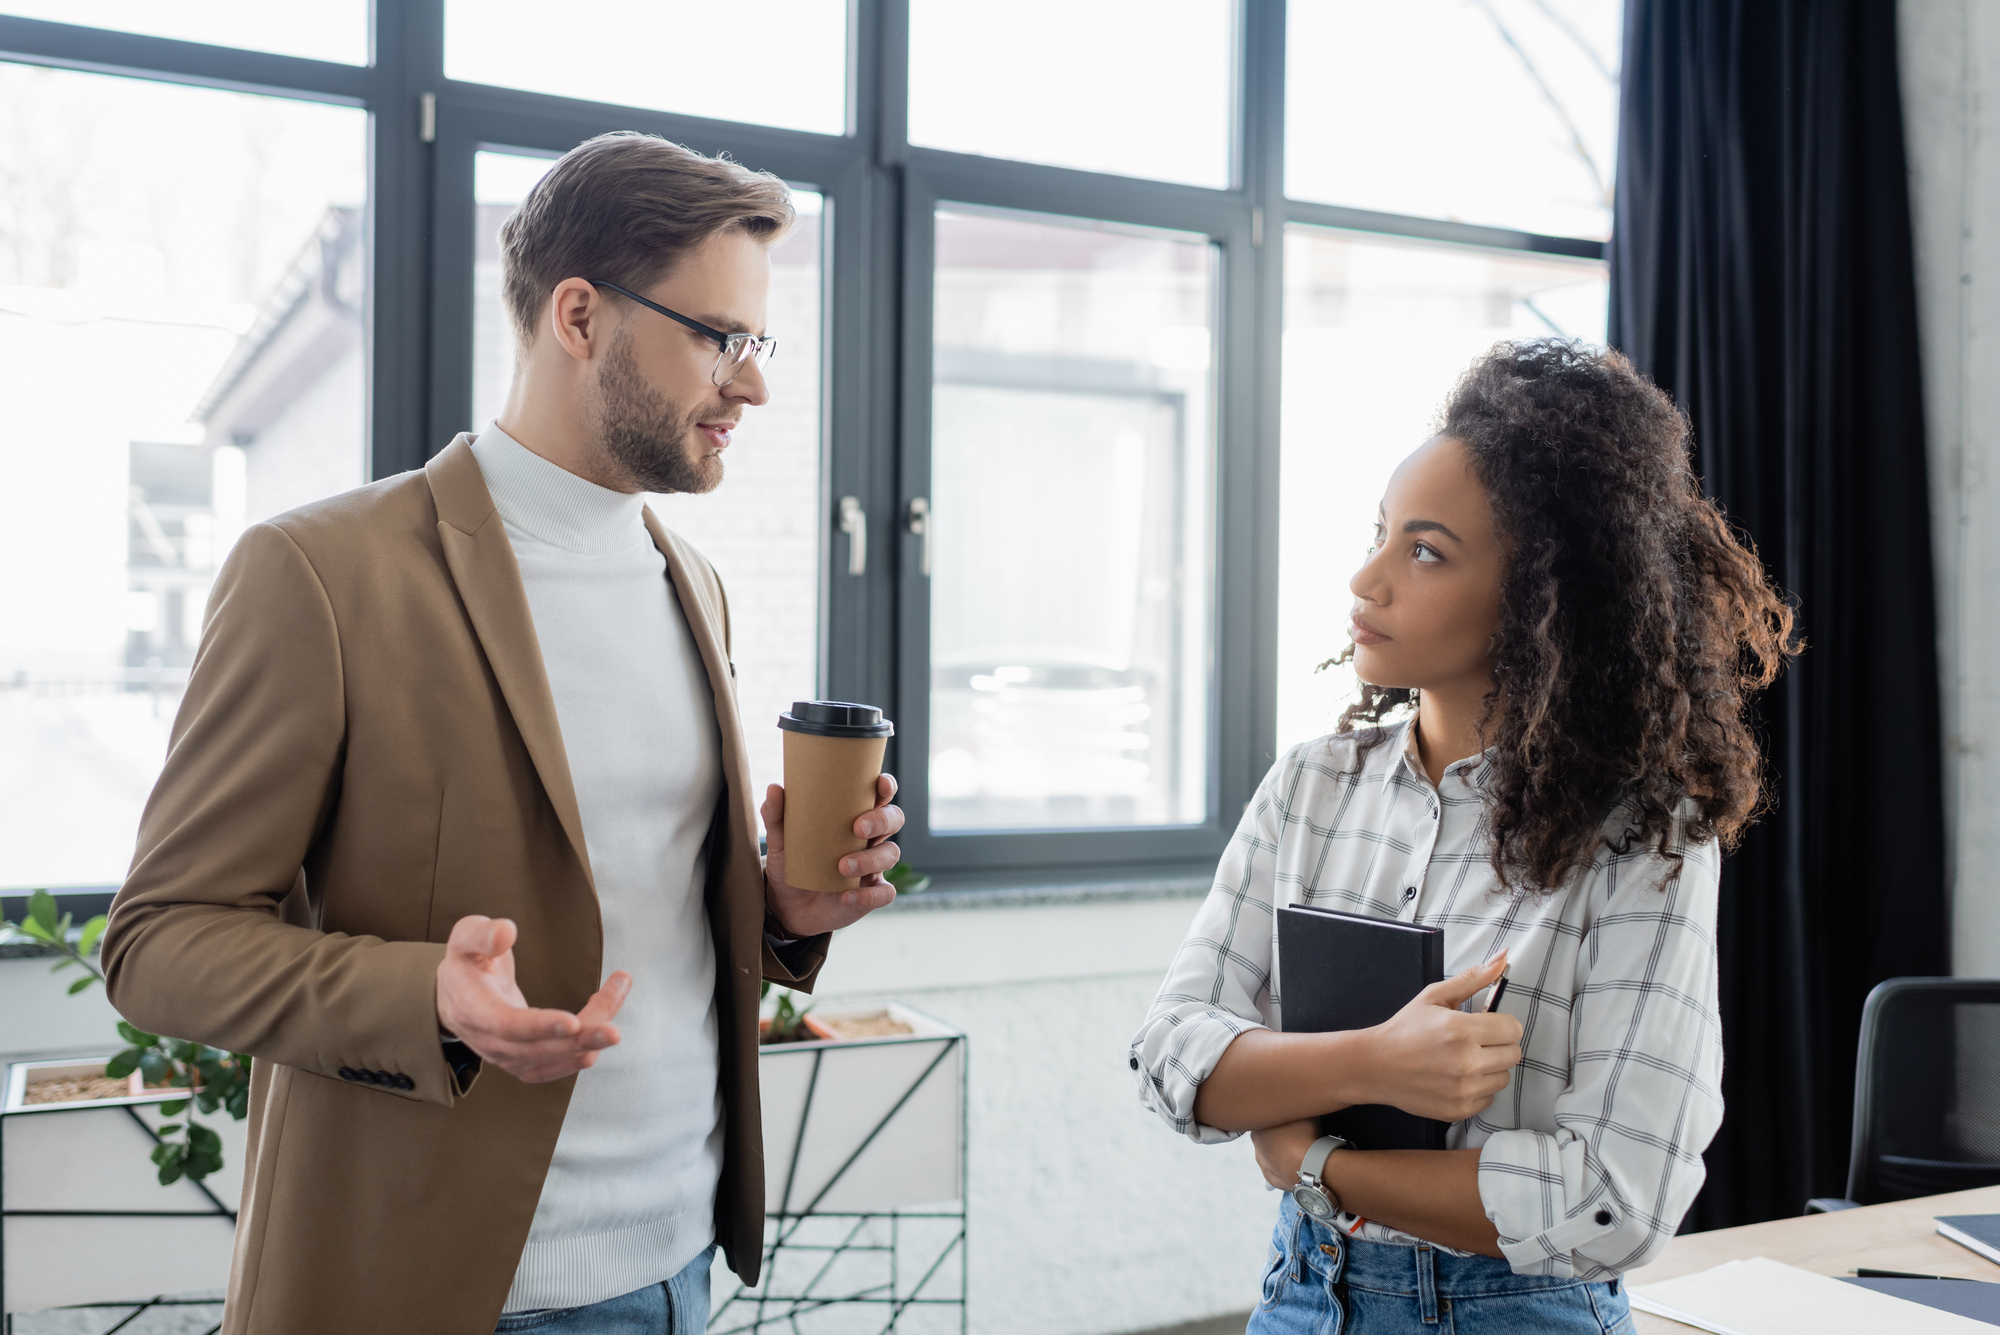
(836, 718)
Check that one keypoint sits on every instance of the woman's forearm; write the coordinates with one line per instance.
(1430, 1194)
(1266, 1079)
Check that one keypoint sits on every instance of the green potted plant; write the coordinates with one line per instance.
(215, 1079)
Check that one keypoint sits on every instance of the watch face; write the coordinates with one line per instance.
(1313, 1201)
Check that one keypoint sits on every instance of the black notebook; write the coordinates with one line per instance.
(1344, 971)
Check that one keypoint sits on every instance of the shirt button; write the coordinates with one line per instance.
(1409, 893)
(1135, 1063)
(1604, 1216)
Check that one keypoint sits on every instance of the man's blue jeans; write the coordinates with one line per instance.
(1319, 1282)
(677, 1307)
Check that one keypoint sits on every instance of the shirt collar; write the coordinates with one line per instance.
(1470, 770)
(553, 505)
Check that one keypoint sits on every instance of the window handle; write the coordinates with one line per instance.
(920, 524)
(854, 523)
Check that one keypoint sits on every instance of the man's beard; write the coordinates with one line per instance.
(646, 434)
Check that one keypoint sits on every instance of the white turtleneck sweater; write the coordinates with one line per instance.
(630, 1196)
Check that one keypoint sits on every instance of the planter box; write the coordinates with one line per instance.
(864, 1125)
(83, 1219)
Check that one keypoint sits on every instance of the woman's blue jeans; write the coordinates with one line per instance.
(1321, 1282)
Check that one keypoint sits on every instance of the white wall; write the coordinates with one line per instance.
(1950, 56)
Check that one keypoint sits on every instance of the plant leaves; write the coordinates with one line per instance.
(173, 1109)
(153, 1064)
(183, 1051)
(80, 984)
(165, 1151)
(167, 1129)
(91, 931)
(201, 1138)
(170, 1173)
(42, 912)
(138, 1038)
(207, 1099)
(36, 930)
(123, 1064)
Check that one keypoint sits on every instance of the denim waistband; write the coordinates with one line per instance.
(1420, 1271)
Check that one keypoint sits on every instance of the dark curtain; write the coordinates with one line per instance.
(1761, 273)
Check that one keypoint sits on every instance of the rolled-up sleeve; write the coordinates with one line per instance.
(1604, 1192)
(1219, 985)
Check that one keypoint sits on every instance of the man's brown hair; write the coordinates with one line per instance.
(624, 208)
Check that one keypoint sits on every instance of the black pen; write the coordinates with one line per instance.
(1866, 1272)
(1499, 990)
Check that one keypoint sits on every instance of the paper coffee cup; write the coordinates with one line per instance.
(833, 755)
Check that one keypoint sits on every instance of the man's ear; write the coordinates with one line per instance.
(579, 318)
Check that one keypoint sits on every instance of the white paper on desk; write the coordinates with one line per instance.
(1765, 1297)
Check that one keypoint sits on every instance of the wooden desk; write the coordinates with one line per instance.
(1898, 1236)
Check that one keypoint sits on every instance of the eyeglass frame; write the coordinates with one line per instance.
(762, 350)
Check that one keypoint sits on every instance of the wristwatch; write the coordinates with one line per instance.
(1314, 1197)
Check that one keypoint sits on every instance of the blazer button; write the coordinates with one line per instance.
(404, 1082)
(1604, 1216)
(349, 1073)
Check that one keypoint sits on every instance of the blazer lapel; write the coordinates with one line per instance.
(708, 622)
(482, 564)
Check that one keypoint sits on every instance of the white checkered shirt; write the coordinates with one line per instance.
(1592, 1153)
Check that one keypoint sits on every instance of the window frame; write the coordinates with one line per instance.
(881, 194)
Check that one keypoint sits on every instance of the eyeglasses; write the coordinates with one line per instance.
(736, 349)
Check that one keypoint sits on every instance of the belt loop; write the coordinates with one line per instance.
(1427, 1289)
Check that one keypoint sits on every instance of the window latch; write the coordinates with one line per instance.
(920, 525)
(854, 523)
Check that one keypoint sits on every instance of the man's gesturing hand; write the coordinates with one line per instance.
(1434, 1060)
(810, 912)
(478, 1003)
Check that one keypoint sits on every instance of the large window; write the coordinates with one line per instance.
(1376, 332)
(1095, 352)
(1072, 436)
(181, 320)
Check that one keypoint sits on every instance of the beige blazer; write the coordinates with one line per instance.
(367, 752)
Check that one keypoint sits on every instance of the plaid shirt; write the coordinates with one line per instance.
(1592, 1153)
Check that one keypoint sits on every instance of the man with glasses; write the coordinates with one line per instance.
(455, 837)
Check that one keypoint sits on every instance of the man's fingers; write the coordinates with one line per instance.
(493, 1020)
(869, 897)
(870, 861)
(602, 1008)
(773, 812)
(885, 790)
(879, 824)
(481, 936)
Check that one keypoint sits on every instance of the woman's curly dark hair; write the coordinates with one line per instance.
(1634, 624)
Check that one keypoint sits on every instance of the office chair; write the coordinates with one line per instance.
(1926, 1092)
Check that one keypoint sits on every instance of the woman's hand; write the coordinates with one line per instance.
(1434, 1060)
(1281, 1149)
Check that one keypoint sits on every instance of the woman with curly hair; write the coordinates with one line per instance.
(1578, 632)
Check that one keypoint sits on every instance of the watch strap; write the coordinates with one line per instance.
(1314, 1163)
